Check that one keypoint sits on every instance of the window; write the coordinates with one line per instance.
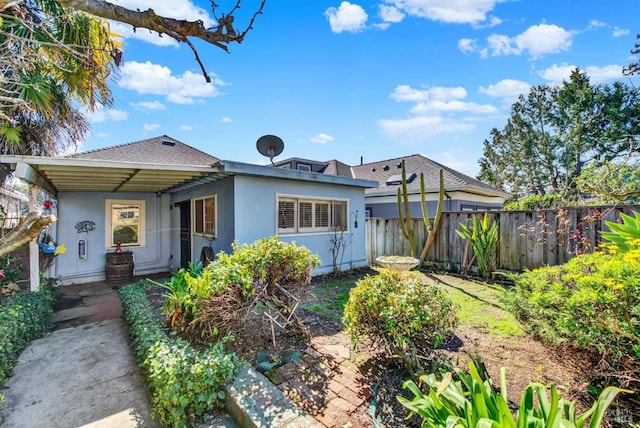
(304, 167)
(125, 223)
(204, 216)
(300, 215)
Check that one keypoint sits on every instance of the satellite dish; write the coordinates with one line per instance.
(270, 146)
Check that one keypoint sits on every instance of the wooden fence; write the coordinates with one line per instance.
(527, 239)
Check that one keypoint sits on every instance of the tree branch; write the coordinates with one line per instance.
(177, 29)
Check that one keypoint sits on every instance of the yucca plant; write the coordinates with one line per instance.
(483, 238)
(472, 402)
(624, 237)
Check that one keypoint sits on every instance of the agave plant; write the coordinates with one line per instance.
(624, 237)
(472, 402)
(483, 237)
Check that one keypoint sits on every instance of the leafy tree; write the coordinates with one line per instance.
(54, 63)
(611, 183)
(633, 68)
(555, 132)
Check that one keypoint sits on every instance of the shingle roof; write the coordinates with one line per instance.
(382, 171)
(158, 150)
(335, 167)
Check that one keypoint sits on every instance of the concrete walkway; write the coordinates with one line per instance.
(84, 373)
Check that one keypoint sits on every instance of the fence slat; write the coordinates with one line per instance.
(547, 241)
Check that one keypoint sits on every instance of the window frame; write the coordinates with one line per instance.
(109, 222)
(304, 167)
(194, 224)
(316, 216)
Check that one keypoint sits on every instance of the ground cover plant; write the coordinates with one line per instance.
(186, 384)
(23, 318)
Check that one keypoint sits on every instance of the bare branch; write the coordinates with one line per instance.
(174, 28)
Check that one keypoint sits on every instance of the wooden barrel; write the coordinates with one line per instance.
(119, 267)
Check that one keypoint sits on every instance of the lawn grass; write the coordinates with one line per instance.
(479, 303)
(479, 306)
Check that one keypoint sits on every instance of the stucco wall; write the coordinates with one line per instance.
(255, 216)
(224, 190)
(74, 207)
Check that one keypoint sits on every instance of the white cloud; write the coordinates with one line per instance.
(536, 41)
(148, 78)
(103, 115)
(179, 9)
(321, 138)
(594, 23)
(436, 110)
(453, 106)
(438, 93)
(149, 105)
(101, 135)
(620, 32)
(468, 45)
(348, 17)
(226, 120)
(458, 11)
(150, 126)
(186, 128)
(390, 14)
(556, 74)
(507, 89)
(420, 127)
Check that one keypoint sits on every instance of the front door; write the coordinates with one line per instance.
(185, 233)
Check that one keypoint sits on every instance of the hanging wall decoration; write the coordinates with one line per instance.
(85, 226)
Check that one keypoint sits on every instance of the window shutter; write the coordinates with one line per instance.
(286, 214)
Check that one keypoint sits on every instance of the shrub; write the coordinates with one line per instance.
(592, 302)
(23, 318)
(624, 237)
(401, 314)
(473, 402)
(533, 202)
(483, 238)
(265, 274)
(185, 384)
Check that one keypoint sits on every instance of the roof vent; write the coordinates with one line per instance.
(168, 143)
(373, 170)
(397, 179)
(399, 165)
(386, 168)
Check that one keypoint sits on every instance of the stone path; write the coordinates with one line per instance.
(326, 384)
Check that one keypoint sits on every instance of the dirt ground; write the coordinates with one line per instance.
(525, 359)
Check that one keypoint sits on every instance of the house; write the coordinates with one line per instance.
(169, 203)
(462, 193)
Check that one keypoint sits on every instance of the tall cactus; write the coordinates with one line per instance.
(403, 202)
(403, 205)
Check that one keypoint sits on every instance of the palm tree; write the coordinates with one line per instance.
(53, 63)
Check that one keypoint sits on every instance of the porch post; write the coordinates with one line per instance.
(34, 251)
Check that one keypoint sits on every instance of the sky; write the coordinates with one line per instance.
(358, 80)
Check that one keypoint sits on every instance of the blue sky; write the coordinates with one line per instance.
(372, 79)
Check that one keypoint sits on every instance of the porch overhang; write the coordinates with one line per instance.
(55, 175)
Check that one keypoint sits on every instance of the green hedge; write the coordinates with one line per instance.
(23, 318)
(185, 383)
